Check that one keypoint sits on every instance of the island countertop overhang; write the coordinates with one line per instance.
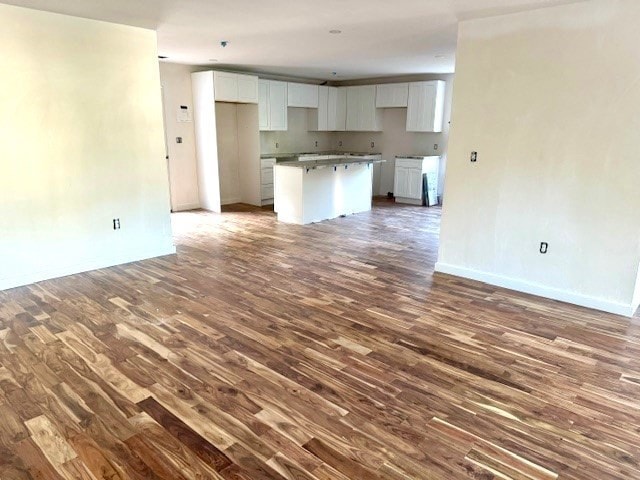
(310, 164)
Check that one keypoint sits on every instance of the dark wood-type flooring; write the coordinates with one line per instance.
(327, 352)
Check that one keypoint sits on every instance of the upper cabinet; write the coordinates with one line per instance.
(392, 95)
(331, 114)
(272, 105)
(247, 89)
(337, 106)
(362, 114)
(425, 112)
(302, 95)
(235, 88)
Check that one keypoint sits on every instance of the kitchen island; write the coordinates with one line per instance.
(311, 191)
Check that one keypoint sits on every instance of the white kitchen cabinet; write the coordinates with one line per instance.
(247, 89)
(278, 105)
(337, 109)
(323, 109)
(272, 105)
(266, 180)
(330, 116)
(225, 86)
(235, 88)
(263, 104)
(425, 110)
(302, 95)
(362, 114)
(392, 95)
(408, 180)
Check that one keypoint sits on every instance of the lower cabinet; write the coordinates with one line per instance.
(408, 180)
(408, 183)
(266, 180)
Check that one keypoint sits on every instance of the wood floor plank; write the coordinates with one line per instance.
(176, 427)
(322, 352)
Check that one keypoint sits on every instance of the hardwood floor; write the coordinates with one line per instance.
(327, 352)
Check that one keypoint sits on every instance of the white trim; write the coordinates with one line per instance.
(187, 206)
(537, 289)
(117, 258)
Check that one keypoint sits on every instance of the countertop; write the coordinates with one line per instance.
(295, 155)
(311, 164)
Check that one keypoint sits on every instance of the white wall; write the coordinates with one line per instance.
(81, 143)
(549, 99)
(183, 173)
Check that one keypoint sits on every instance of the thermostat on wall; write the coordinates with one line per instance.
(184, 114)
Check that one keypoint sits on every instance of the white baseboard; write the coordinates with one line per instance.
(539, 290)
(85, 265)
(183, 207)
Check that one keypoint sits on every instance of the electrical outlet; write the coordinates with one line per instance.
(373, 144)
(435, 146)
(178, 139)
(474, 157)
(116, 224)
(277, 145)
(316, 143)
(340, 143)
(544, 248)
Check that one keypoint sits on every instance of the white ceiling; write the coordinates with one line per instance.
(291, 37)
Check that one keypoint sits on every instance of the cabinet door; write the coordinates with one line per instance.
(353, 109)
(414, 183)
(323, 109)
(277, 105)
(332, 108)
(247, 89)
(362, 114)
(400, 182)
(340, 94)
(263, 104)
(369, 114)
(423, 107)
(225, 86)
(302, 95)
(392, 95)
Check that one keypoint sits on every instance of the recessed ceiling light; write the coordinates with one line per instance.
(335, 31)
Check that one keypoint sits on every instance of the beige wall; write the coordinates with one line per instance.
(81, 143)
(176, 87)
(297, 138)
(549, 99)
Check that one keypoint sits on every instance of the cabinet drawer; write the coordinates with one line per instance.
(266, 177)
(267, 191)
(267, 162)
(409, 163)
